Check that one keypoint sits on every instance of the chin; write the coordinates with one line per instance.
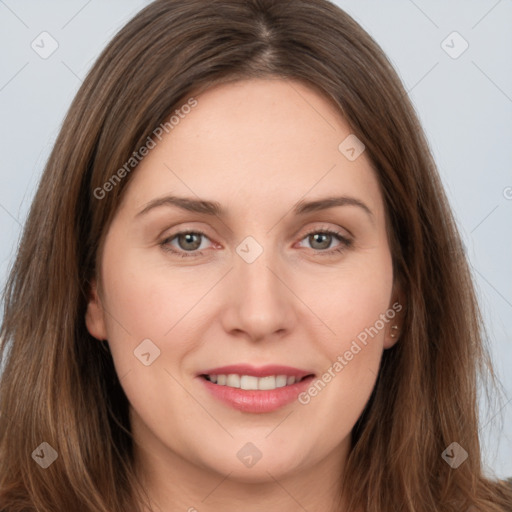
(247, 463)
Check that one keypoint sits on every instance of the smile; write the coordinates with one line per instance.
(256, 390)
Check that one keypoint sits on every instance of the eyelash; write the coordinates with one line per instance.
(345, 243)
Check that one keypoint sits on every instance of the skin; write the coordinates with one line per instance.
(257, 147)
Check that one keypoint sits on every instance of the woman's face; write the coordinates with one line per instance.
(271, 281)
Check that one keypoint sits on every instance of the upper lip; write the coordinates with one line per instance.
(262, 371)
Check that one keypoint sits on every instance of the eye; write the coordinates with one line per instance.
(188, 242)
(321, 239)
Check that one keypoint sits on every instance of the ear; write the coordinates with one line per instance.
(94, 316)
(395, 315)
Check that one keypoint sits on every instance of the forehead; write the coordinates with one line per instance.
(255, 141)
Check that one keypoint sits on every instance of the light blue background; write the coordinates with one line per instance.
(465, 105)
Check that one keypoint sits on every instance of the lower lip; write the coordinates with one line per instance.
(257, 401)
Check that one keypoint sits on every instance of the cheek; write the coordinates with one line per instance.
(146, 302)
(357, 313)
(352, 299)
(149, 300)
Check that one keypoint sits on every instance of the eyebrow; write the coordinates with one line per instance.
(215, 209)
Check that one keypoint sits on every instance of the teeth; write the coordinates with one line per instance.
(281, 381)
(233, 381)
(265, 383)
(249, 382)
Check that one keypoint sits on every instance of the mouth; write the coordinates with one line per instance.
(256, 390)
(252, 383)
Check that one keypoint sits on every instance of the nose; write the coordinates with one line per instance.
(260, 303)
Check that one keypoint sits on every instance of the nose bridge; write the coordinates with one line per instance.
(257, 279)
(262, 304)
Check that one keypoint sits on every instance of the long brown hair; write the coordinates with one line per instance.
(59, 385)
